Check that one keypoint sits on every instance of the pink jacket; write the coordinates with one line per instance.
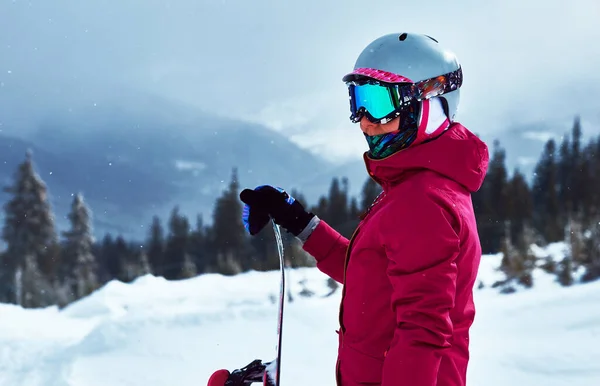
(409, 269)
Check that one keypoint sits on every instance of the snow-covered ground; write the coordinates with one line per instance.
(159, 333)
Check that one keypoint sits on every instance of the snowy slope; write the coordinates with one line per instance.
(154, 332)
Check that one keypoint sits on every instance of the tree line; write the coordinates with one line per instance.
(562, 203)
(40, 267)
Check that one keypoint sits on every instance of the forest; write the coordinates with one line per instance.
(41, 266)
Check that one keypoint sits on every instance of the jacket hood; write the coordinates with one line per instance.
(457, 154)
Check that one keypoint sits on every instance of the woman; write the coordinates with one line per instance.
(409, 269)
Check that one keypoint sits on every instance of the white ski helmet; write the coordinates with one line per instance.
(412, 58)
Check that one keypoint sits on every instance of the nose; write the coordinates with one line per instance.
(367, 126)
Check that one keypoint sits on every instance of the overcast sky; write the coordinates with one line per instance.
(281, 62)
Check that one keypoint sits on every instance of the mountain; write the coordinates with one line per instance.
(132, 161)
(140, 155)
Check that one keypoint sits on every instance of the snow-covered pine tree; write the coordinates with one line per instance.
(30, 236)
(78, 269)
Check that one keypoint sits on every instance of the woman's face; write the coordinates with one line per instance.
(371, 129)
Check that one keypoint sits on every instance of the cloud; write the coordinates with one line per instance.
(542, 136)
(281, 62)
(318, 122)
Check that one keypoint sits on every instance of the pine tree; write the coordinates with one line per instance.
(517, 264)
(30, 235)
(565, 170)
(589, 181)
(321, 208)
(298, 196)
(189, 268)
(575, 240)
(107, 259)
(578, 180)
(565, 271)
(545, 196)
(575, 251)
(519, 207)
(592, 248)
(134, 264)
(354, 209)
(176, 249)
(156, 247)
(119, 260)
(198, 246)
(492, 202)
(337, 211)
(370, 191)
(230, 239)
(571, 176)
(78, 265)
(265, 256)
(143, 263)
(593, 184)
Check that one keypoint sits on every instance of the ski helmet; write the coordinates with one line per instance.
(419, 66)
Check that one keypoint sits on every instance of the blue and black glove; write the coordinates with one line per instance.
(266, 202)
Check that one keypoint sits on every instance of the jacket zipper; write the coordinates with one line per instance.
(347, 260)
(338, 375)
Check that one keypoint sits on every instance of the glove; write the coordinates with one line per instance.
(266, 202)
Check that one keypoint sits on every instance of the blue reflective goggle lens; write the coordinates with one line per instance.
(378, 100)
(381, 102)
(375, 101)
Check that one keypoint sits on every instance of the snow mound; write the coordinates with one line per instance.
(158, 332)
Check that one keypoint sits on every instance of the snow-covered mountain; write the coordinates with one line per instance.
(135, 161)
(155, 332)
(141, 155)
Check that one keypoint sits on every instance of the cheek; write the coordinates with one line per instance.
(390, 126)
(378, 129)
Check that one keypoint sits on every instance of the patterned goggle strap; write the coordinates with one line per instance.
(381, 102)
(433, 87)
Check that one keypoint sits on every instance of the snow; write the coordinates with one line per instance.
(156, 332)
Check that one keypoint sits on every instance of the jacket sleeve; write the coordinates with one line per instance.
(328, 247)
(421, 240)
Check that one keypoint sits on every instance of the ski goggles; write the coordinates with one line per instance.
(381, 102)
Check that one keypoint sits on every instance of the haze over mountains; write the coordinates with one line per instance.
(133, 160)
(113, 99)
(132, 164)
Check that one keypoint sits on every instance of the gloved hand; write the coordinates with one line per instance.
(265, 202)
